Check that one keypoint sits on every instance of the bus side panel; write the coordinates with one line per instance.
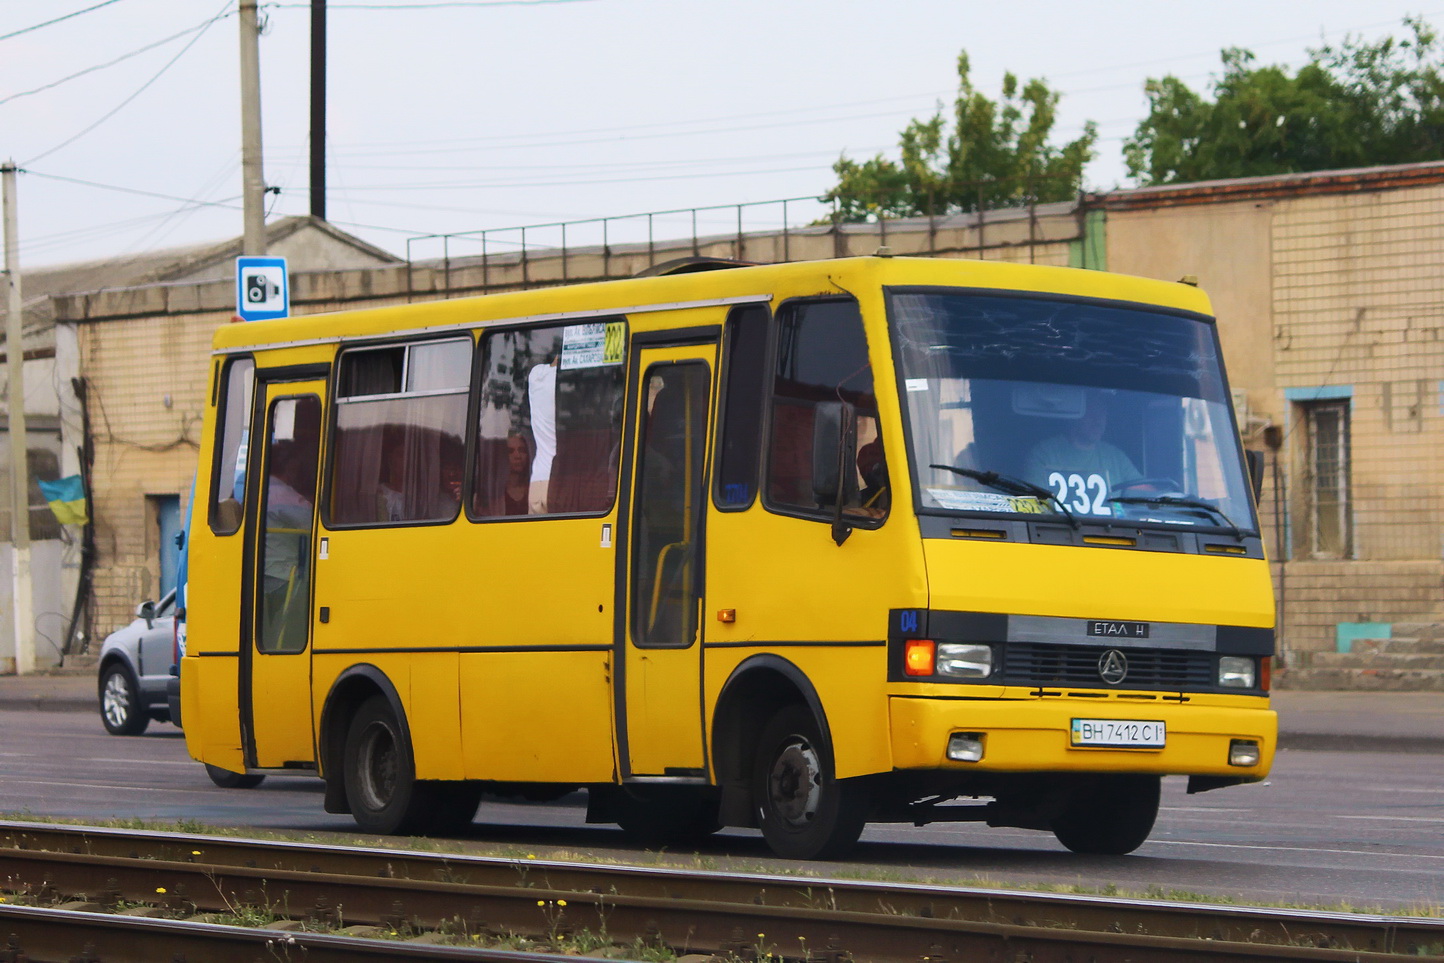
(475, 589)
(538, 716)
(548, 585)
(788, 582)
(209, 689)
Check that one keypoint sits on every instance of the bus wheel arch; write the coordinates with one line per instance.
(351, 690)
(753, 694)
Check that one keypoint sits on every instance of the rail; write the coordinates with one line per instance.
(405, 892)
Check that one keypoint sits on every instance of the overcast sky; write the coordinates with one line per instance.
(450, 117)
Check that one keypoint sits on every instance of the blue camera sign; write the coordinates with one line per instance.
(262, 291)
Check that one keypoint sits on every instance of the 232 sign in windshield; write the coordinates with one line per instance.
(1084, 494)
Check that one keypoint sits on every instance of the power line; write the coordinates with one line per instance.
(143, 87)
(121, 59)
(57, 20)
(128, 190)
(421, 6)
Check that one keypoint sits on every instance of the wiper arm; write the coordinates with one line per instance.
(1182, 503)
(1012, 486)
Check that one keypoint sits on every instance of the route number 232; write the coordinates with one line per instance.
(1081, 493)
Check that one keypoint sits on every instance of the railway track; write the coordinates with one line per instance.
(398, 893)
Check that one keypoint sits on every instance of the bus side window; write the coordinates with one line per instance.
(548, 429)
(822, 357)
(739, 445)
(228, 480)
(400, 421)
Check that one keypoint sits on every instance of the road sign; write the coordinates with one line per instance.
(262, 291)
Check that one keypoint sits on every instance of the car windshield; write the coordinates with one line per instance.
(1029, 405)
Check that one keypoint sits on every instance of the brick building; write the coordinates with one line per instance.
(1328, 289)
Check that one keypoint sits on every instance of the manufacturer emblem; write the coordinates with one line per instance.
(1112, 667)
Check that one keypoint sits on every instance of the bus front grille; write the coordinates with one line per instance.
(1026, 663)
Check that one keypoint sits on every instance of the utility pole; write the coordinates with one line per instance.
(253, 184)
(318, 109)
(22, 600)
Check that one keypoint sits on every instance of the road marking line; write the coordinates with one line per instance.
(92, 785)
(1401, 819)
(1297, 849)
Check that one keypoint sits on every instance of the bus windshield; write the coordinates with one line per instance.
(1090, 410)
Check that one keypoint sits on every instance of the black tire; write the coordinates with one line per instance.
(232, 780)
(381, 785)
(1110, 815)
(120, 708)
(666, 815)
(803, 810)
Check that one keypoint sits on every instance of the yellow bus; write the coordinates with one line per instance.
(796, 547)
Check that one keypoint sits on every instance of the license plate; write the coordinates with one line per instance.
(1118, 733)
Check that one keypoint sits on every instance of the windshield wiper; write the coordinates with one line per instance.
(1012, 486)
(1182, 503)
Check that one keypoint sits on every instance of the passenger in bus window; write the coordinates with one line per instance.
(542, 397)
(518, 475)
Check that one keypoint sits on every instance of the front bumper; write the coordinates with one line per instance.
(1033, 735)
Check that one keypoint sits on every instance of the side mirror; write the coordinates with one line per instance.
(1255, 461)
(146, 610)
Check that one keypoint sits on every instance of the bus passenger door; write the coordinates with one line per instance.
(661, 728)
(276, 664)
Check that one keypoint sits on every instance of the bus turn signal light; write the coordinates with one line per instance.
(918, 656)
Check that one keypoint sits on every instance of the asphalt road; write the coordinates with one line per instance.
(1362, 829)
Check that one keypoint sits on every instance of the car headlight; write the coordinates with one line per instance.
(1236, 672)
(962, 660)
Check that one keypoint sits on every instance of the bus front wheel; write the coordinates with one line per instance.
(1110, 816)
(803, 810)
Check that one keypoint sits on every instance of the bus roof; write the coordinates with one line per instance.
(760, 283)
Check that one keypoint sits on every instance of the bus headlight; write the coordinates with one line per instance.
(1236, 672)
(964, 660)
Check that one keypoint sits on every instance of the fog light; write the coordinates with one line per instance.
(962, 661)
(1236, 672)
(1243, 752)
(965, 747)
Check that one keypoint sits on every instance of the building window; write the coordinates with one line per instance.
(1326, 479)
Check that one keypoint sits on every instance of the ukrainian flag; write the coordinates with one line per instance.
(67, 499)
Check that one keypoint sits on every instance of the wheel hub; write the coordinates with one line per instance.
(116, 700)
(378, 767)
(794, 784)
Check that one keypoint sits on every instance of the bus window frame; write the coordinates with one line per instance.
(824, 515)
(724, 399)
(333, 388)
(474, 411)
(221, 402)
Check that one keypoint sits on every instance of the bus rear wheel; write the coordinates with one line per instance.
(381, 785)
(803, 809)
(1109, 816)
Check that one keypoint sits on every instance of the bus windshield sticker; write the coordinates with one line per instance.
(917, 384)
(593, 345)
(963, 501)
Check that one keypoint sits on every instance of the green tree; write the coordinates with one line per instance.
(1351, 105)
(996, 154)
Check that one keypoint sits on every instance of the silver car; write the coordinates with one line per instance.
(136, 669)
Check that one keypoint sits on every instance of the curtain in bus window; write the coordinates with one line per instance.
(400, 420)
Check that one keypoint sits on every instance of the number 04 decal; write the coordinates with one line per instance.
(1083, 494)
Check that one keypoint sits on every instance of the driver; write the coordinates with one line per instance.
(1082, 452)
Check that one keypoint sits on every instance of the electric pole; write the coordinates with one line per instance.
(22, 601)
(253, 183)
(318, 109)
